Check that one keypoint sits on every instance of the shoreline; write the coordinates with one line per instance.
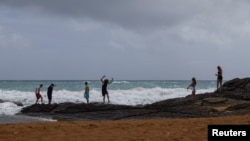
(187, 129)
(8, 119)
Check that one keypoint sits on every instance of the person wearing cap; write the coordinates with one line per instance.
(49, 92)
(193, 84)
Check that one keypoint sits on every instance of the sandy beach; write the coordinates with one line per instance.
(180, 129)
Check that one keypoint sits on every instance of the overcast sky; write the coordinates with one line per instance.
(124, 39)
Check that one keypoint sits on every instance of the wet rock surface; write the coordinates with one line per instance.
(233, 99)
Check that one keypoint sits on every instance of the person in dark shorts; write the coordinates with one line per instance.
(219, 78)
(38, 94)
(49, 92)
(105, 83)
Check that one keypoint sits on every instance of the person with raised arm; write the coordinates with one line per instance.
(105, 83)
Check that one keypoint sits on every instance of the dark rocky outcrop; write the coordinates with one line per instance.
(233, 99)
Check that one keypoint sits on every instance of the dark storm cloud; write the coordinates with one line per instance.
(126, 13)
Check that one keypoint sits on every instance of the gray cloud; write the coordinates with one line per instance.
(201, 17)
(132, 39)
(131, 13)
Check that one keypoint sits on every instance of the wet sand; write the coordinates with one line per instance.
(179, 129)
(21, 119)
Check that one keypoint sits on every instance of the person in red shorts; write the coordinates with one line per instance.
(38, 95)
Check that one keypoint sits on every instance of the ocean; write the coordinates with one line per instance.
(123, 92)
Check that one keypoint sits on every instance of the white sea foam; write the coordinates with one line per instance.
(9, 108)
(135, 96)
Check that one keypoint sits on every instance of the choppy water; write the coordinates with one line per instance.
(121, 92)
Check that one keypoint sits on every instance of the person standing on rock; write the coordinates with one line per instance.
(38, 95)
(105, 83)
(219, 78)
(86, 93)
(193, 85)
(49, 92)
